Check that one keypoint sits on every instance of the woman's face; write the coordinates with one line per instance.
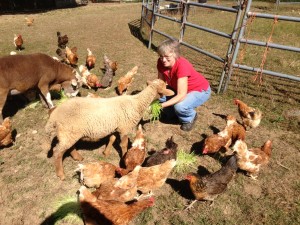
(168, 59)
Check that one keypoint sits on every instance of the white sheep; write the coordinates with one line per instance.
(95, 118)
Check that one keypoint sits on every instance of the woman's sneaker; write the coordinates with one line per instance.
(189, 126)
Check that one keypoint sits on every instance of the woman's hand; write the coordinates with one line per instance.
(182, 87)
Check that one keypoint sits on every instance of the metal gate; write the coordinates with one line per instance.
(151, 11)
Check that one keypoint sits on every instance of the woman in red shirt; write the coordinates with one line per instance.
(190, 87)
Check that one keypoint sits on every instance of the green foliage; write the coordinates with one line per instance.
(185, 161)
(155, 110)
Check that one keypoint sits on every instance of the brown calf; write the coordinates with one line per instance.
(19, 73)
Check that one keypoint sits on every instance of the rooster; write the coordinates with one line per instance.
(250, 160)
(29, 21)
(250, 116)
(90, 59)
(98, 211)
(5, 132)
(62, 41)
(210, 186)
(18, 42)
(125, 81)
(72, 56)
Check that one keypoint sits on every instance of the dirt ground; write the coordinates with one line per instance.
(30, 192)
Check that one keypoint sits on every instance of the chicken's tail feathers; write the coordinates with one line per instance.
(232, 163)
(267, 147)
(171, 144)
(58, 34)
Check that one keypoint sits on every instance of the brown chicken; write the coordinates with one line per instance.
(29, 21)
(72, 55)
(238, 131)
(154, 177)
(208, 187)
(250, 116)
(62, 40)
(123, 189)
(215, 142)
(5, 132)
(110, 212)
(250, 160)
(88, 79)
(18, 42)
(90, 59)
(125, 81)
(167, 153)
(95, 173)
(136, 154)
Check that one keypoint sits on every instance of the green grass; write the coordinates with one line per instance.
(185, 161)
(155, 110)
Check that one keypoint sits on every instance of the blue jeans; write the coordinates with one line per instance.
(185, 110)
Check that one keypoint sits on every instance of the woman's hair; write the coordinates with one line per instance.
(169, 46)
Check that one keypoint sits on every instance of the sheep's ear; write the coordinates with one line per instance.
(168, 92)
(149, 82)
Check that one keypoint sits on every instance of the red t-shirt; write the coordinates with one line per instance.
(183, 68)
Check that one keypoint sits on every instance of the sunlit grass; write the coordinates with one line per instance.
(185, 161)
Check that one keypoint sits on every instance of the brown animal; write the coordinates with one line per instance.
(93, 174)
(29, 20)
(167, 153)
(250, 116)
(123, 189)
(154, 177)
(62, 40)
(72, 56)
(250, 160)
(136, 154)
(18, 42)
(5, 132)
(125, 81)
(105, 212)
(210, 186)
(90, 59)
(35, 71)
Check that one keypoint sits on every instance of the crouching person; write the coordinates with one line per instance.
(191, 88)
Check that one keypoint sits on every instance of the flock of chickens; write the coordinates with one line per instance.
(70, 56)
(246, 159)
(125, 190)
(121, 193)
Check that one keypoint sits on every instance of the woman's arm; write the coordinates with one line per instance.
(182, 87)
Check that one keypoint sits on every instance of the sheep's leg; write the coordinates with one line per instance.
(108, 147)
(124, 144)
(76, 155)
(58, 153)
(58, 162)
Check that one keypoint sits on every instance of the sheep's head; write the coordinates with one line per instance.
(161, 87)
